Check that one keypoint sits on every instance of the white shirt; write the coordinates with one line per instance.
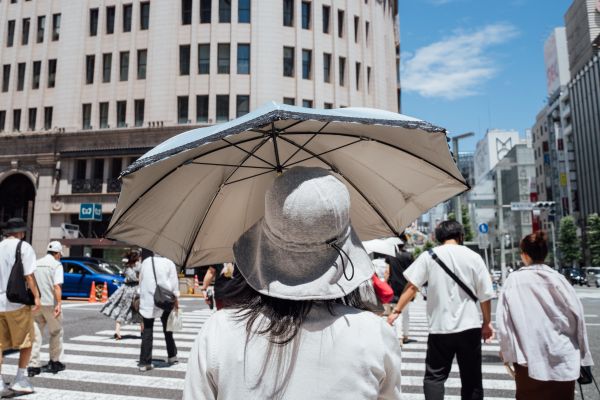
(350, 355)
(449, 308)
(541, 324)
(166, 274)
(48, 273)
(8, 250)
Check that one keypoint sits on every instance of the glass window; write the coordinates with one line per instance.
(242, 105)
(205, 11)
(357, 76)
(288, 61)
(104, 115)
(86, 116)
(51, 73)
(305, 15)
(16, 120)
(186, 12)
(184, 59)
(367, 26)
(20, 76)
(31, 119)
(2, 120)
(204, 58)
(328, 106)
(327, 67)
(243, 58)
(116, 165)
(41, 26)
(326, 18)
(25, 31)
(202, 108)
(98, 168)
(288, 12)
(106, 67)
(368, 79)
(47, 118)
(289, 101)
(139, 112)
(182, 109)
(89, 68)
(110, 20)
(37, 67)
(225, 11)
(121, 114)
(223, 58)
(306, 64)
(340, 23)
(141, 64)
(342, 66)
(93, 22)
(307, 103)
(244, 11)
(144, 15)
(356, 25)
(123, 65)
(80, 171)
(222, 107)
(10, 37)
(5, 77)
(127, 12)
(56, 27)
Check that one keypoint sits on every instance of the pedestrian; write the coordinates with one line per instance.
(221, 274)
(299, 330)
(120, 306)
(457, 278)
(49, 277)
(396, 266)
(156, 270)
(541, 327)
(16, 321)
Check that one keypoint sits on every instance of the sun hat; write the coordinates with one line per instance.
(14, 225)
(55, 247)
(304, 248)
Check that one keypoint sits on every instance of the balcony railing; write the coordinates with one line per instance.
(86, 186)
(113, 185)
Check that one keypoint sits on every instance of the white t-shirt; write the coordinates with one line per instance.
(8, 250)
(49, 273)
(166, 274)
(449, 308)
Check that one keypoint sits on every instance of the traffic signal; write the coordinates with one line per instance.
(550, 206)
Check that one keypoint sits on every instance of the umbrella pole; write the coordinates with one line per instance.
(278, 166)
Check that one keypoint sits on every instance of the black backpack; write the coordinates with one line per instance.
(17, 290)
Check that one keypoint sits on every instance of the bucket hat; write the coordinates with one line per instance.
(14, 225)
(304, 247)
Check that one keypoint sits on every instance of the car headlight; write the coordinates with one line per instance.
(116, 282)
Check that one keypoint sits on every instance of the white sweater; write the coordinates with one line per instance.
(350, 355)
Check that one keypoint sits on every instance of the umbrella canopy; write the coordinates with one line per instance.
(192, 196)
(382, 246)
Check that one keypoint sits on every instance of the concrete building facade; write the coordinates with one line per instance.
(582, 22)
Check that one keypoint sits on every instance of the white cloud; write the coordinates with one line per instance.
(454, 67)
(440, 2)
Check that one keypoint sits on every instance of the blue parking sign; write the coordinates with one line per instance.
(90, 212)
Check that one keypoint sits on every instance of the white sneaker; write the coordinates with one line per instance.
(22, 386)
(144, 368)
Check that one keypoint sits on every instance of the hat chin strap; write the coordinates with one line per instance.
(333, 244)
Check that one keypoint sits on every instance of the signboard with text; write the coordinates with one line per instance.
(90, 212)
(521, 206)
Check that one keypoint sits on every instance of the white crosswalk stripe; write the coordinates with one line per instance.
(101, 362)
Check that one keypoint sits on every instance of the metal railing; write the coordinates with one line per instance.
(86, 186)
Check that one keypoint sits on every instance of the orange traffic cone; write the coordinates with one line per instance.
(104, 293)
(92, 298)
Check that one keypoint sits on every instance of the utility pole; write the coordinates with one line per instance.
(501, 223)
(457, 201)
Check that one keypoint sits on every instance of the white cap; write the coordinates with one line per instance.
(55, 247)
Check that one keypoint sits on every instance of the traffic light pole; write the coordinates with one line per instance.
(501, 223)
(553, 245)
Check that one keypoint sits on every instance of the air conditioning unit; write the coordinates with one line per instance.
(70, 231)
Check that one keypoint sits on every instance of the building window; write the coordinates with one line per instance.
(204, 58)
(205, 11)
(86, 116)
(123, 65)
(290, 101)
(182, 109)
(307, 103)
(37, 67)
(328, 106)
(51, 73)
(47, 118)
(80, 171)
(326, 18)
(342, 66)
(89, 68)
(340, 23)
(106, 67)
(305, 15)
(288, 61)
(186, 12)
(242, 105)
(2, 120)
(16, 120)
(356, 25)
(25, 31)
(225, 11)
(5, 77)
(222, 107)
(55, 27)
(202, 108)
(20, 76)
(141, 63)
(31, 119)
(306, 64)
(103, 115)
(288, 12)
(327, 67)
(144, 15)
(41, 26)
(121, 114)
(110, 20)
(367, 26)
(138, 109)
(357, 76)
(98, 169)
(368, 79)
(223, 58)
(184, 59)
(127, 13)
(93, 22)
(243, 58)
(244, 11)
(10, 38)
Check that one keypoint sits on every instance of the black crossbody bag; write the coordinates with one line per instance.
(17, 290)
(453, 275)
(163, 298)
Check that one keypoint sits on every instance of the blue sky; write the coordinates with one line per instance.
(470, 65)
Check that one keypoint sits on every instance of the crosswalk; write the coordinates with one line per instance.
(100, 367)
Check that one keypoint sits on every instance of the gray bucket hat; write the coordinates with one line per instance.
(304, 248)
(14, 225)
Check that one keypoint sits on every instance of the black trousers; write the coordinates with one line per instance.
(147, 337)
(441, 349)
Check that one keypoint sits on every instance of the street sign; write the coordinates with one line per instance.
(484, 241)
(483, 228)
(90, 212)
(517, 206)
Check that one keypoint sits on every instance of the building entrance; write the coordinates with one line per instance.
(17, 198)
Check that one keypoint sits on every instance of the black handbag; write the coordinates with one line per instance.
(17, 290)
(163, 298)
(585, 378)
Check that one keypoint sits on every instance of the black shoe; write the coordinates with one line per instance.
(33, 371)
(54, 367)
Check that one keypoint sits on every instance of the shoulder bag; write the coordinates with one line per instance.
(456, 279)
(17, 290)
(163, 298)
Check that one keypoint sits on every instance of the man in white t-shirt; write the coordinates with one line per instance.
(49, 277)
(16, 322)
(455, 326)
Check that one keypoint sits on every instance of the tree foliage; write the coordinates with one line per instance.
(568, 242)
(467, 224)
(593, 238)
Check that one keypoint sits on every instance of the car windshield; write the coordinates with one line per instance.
(94, 267)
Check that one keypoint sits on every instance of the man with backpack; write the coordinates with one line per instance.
(457, 278)
(16, 321)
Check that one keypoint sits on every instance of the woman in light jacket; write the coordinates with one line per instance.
(541, 327)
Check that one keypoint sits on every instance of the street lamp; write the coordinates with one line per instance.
(457, 205)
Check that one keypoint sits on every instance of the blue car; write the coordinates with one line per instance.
(79, 276)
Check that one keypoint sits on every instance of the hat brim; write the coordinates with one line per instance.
(15, 230)
(301, 275)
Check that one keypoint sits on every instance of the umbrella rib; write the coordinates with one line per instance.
(291, 125)
(251, 154)
(360, 192)
(248, 177)
(307, 142)
(275, 149)
(230, 165)
(325, 152)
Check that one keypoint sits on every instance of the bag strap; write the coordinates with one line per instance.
(154, 270)
(452, 275)
(18, 252)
